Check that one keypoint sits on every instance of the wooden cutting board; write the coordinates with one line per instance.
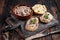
(26, 33)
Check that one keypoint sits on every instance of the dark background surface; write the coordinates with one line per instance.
(52, 6)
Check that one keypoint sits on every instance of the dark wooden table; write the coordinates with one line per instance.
(52, 6)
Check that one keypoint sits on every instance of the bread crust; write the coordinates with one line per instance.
(44, 20)
(32, 27)
(39, 9)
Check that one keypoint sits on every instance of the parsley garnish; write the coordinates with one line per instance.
(33, 21)
(46, 16)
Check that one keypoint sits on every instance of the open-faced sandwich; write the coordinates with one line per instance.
(32, 24)
(39, 9)
(46, 18)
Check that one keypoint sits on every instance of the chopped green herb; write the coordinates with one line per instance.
(33, 21)
(46, 16)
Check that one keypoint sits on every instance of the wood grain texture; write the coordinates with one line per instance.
(1, 6)
(52, 8)
(58, 4)
(48, 37)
